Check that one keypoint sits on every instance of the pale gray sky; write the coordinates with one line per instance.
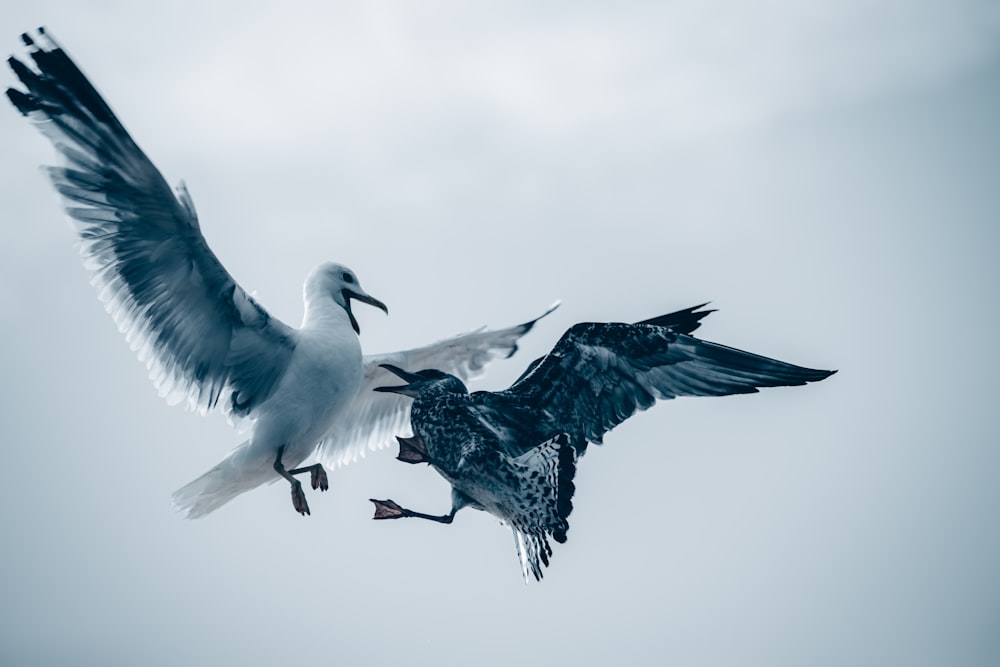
(826, 173)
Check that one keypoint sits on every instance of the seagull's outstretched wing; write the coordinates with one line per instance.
(373, 418)
(598, 375)
(199, 334)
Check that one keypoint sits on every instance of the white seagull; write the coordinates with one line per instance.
(513, 453)
(202, 337)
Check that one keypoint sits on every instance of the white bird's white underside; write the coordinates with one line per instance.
(204, 340)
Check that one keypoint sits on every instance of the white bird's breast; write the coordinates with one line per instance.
(323, 363)
(322, 377)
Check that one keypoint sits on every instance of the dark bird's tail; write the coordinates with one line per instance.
(546, 490)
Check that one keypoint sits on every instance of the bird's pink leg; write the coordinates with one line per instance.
(298, 496)
(318, 476)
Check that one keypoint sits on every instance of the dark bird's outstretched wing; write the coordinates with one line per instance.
(598, 375)
(373, 418)
(200, 335)
(681, 321)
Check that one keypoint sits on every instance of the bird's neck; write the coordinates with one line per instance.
(324, 313)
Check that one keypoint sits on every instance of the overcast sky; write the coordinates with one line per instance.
(826, 173)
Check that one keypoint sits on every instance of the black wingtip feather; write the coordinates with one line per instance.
(23, 103)
(58, 81)
(22, 72)
(681, 321)
(528, 326)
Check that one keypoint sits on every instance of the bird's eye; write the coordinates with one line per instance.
(348, 278)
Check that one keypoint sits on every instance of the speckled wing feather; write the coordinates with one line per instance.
(199, 334)
(372, 419)
(599, 375)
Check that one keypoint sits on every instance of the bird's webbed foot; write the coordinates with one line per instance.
(319, 480)
(412, 450)
(317, 476)
(387, 509)
(390, 509)
(299, 498)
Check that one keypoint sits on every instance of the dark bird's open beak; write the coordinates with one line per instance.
(364, 298)
(406, 389)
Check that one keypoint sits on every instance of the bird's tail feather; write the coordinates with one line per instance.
(237, 473)
(553, 467)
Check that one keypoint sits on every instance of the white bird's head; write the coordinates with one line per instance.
(337, 282)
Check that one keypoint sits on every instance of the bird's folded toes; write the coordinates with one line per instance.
(320, 480)
(299, 499)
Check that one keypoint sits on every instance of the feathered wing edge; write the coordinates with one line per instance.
(684, 321)
(599, 374)
(199, 334)
(372, 419)
(554, 462)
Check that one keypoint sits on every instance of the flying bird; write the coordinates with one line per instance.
(202, 337)
(513, 453)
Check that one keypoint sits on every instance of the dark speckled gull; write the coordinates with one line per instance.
(513, 453)
(205, 341)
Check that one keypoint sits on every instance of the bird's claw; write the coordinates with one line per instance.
(319, 478)
(387, 509)
(412, 450)
(299, 499)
